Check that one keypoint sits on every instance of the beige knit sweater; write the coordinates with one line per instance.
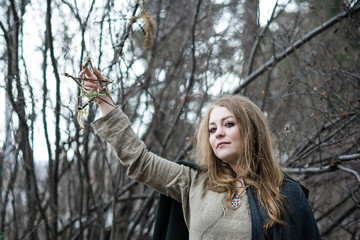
(205, 211)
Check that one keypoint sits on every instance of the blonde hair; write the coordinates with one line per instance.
(256, 158)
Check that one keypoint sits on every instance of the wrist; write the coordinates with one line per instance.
(106, 102)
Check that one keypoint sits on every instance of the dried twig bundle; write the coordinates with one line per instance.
(149, 28)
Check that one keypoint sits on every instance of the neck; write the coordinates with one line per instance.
(238, 170)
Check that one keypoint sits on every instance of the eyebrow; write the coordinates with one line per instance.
(224, 118)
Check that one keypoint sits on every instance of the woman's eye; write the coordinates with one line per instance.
(212, 130)
(229, 124)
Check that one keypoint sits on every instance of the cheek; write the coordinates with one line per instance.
(234, 135)
(212, 141)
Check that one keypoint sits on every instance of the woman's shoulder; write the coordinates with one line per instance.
(292, 186)
(296, 193)
(300, 218)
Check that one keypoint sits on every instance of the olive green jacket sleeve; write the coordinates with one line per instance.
(164, 176)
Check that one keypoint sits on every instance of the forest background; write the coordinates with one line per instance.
(168, 59)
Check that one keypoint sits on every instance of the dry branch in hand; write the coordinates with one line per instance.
(90, 95)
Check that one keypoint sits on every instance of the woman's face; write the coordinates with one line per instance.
(224, 135)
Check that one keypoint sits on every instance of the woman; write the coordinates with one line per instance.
(239, 191)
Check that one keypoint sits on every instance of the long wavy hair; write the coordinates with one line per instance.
(256, 158)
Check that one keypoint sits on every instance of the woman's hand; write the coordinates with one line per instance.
(97, 86)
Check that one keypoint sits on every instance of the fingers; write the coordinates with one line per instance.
(91, 75)
(92, 86)
(86, 73)
(98, 73)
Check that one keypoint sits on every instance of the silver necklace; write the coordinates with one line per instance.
(236, 202)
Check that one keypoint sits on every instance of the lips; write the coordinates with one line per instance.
(220, 144)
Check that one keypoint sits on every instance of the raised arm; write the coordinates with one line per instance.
(114, 127)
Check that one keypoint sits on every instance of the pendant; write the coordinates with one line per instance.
(236, 202)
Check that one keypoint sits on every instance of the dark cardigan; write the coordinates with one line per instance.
(170, 224)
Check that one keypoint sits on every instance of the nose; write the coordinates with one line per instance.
(219, 132)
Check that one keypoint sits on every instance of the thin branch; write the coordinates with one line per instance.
(340, 204)
(329, 168)
(145, 207)
(337, 223)
(54, 164)
(272, 62)
(257, 41)
(126, 33)
(192, 76)
(306, 149)
(308, 170)
(349, 157)
(6, 33)
(10, 187)
(349, 170)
